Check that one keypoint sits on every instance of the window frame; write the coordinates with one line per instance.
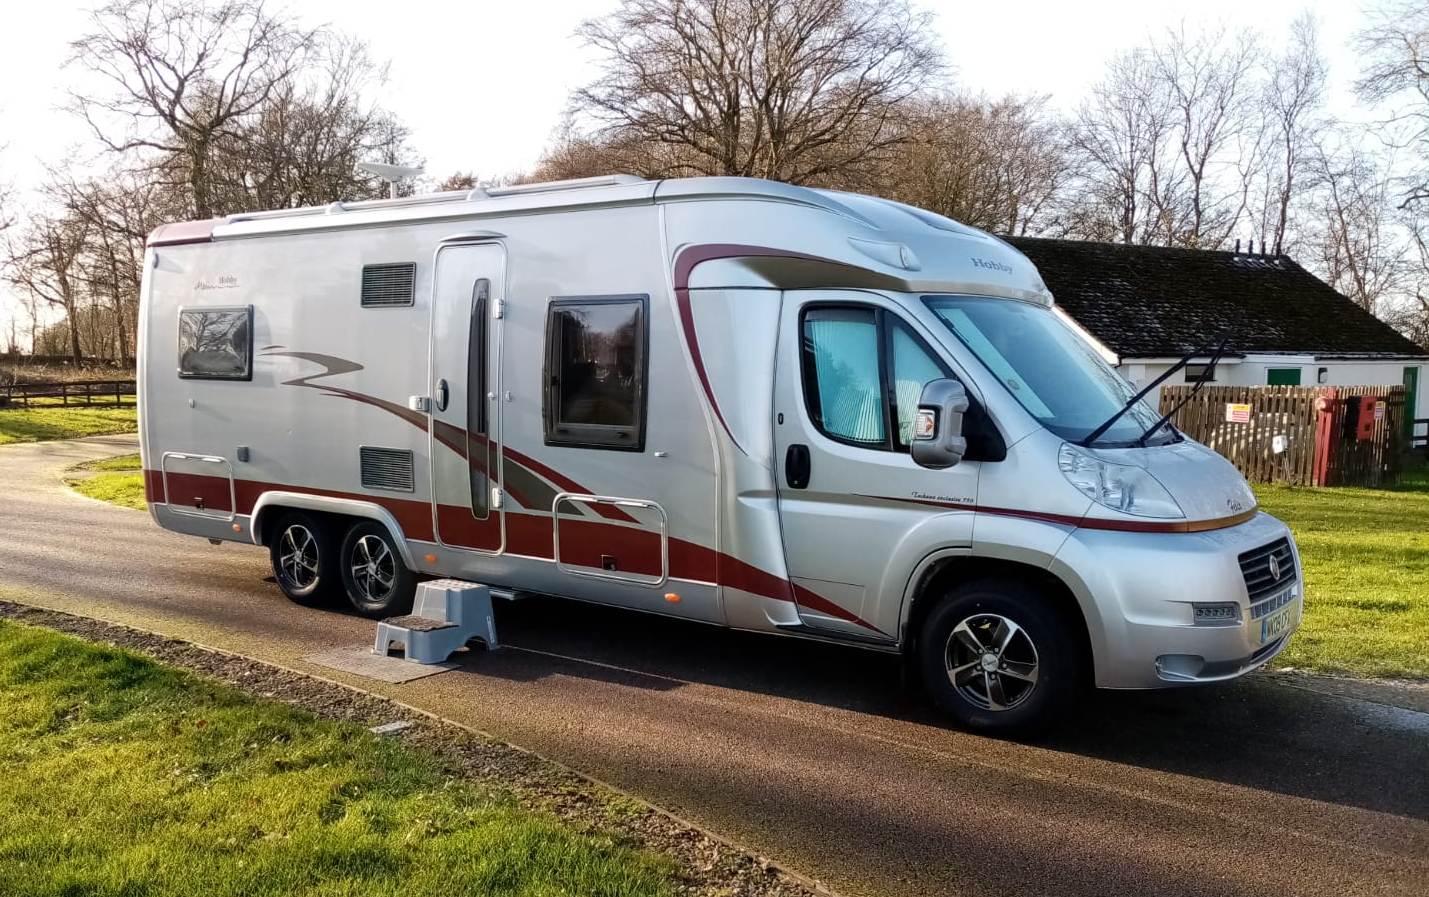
(1191, 378)
(247, 376)
(985, 440)
(578, 435)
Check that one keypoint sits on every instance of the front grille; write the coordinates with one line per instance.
(1260, 579)
(385, 468)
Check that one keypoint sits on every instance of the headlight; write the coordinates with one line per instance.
(1121, 487)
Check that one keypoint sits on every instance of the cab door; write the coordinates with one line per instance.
(850, 369)
(464, 430)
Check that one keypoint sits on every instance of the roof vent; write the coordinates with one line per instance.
(389, 286)
(386, 468)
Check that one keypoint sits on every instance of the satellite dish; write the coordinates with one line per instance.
(389, 173)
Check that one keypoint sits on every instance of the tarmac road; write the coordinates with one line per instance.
(813, 755)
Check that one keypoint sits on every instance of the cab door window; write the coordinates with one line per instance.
(864, 370)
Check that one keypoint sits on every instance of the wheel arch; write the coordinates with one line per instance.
(270, 504)
(943, 570)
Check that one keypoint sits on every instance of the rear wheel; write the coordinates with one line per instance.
(999, 657)
(378, 583)
(304, 558)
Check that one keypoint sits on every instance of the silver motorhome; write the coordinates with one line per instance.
(738, 402)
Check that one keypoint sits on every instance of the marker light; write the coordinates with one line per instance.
(672, 597)
(925, 424)
(1121, 487)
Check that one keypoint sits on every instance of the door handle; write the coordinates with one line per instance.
(797, 466)
(443, 393)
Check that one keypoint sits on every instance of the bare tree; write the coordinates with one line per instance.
(1395, 50)
(44, 262)
(1121, 135)
(995, 164)
(794, 90)
(1207, 79)
(182, 76)
(1293, 97)
(1358, 250)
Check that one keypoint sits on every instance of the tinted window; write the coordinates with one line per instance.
(595, 365)
(843, 384)
(216, 343)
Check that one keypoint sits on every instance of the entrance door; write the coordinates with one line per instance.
(850, 370)
(465, 429)
(1411, 402)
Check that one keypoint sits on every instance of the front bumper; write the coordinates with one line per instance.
(1138, 592)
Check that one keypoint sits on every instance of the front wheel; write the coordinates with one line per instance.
(378, 583)
(999, 657)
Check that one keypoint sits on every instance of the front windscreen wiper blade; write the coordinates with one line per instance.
(1200, 381)
(1094, 435)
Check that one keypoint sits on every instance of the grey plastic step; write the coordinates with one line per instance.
(447, 614)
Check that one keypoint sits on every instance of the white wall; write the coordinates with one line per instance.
(1252, 371)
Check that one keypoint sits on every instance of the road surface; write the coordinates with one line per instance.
(813, 755)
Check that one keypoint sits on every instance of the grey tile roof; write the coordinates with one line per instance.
(1154, 301)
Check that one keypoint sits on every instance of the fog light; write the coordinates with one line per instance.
(1224, 613)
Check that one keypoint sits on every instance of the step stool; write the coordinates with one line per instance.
(447, 614)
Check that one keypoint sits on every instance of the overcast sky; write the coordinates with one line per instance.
(481, 84)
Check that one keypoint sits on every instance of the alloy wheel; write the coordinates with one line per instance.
(298, 557)
(991, 662)
(374, 569)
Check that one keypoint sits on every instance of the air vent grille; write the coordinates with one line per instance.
(386, 468)
(388, 286)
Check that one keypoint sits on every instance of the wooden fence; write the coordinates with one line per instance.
(1303, 435)
(76, 392)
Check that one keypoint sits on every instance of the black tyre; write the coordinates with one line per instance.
(304, 555)
(1000, 657)
(377, 582)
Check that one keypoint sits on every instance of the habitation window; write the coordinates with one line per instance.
(216, 343)
(1194, 372)
(596, 369)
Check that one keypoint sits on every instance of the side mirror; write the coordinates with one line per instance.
(938, 440)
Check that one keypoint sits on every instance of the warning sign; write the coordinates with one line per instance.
(1237, 413)
(1379, 411)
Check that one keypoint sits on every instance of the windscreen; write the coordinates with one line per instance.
(1054, 373)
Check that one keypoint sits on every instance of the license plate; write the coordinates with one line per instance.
(1280, 622)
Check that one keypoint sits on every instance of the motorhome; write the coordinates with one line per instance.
(737, 402)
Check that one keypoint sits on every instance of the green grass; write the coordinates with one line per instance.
(120, 776)
(49, 421)
(117, 480)
(1366, 557)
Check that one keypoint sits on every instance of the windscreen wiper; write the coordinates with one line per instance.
(1200, 381)
(1094, 435)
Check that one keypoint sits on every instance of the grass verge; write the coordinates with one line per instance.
(1366, 557)
(119, 481)
(43, 422)
(119, 775)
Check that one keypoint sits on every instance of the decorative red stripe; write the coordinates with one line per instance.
(635, 550)
(1097, 523)
(685, 264)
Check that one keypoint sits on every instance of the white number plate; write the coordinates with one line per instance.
(1280, 622)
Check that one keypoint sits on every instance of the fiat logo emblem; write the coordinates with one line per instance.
(1274, 567)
